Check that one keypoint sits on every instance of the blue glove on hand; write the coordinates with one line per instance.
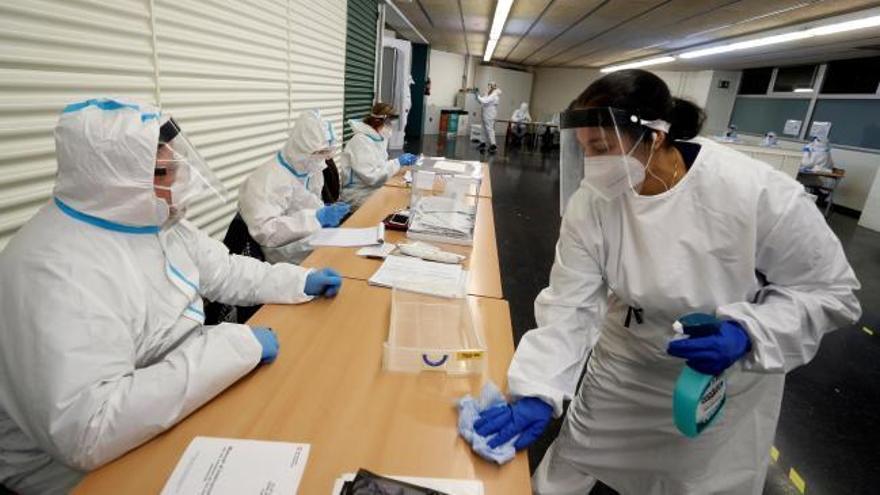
(714, 353)
(407, 159)
(325, 281)
(267, 339)
(527, 417)
(331, 215)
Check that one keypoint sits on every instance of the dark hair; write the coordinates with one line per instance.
(647, 96)
(384, 112)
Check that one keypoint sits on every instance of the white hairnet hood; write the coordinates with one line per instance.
(106, 151)
(310, 134)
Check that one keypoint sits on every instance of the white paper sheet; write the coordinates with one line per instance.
(445, 485)
(344, 237)
(381, 251)
(417, 275)
(221, 466)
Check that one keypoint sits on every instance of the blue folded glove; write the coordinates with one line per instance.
(323, 282)
(267, 339)
(527, 417)
(407, 159)
(331, 215)
(714, 353)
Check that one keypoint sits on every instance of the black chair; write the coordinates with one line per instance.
(239, 241)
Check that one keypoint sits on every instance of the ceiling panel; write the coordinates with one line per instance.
(596, 33)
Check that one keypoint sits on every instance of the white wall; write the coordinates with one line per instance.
(555, 88)
(515, 85)
(871, 212)
(720, 101)
(446, 71)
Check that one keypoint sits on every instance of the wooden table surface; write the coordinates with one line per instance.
(482, 257)
(485, 186)
(327, 388)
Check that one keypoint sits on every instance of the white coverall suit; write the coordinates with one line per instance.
(280, 199)
(490, 113)
(694, 248)
(102, 340)
(364, 165)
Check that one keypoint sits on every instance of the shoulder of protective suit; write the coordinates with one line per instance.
(735, 169)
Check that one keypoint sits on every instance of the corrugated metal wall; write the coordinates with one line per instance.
(234, 74)
(317, 58)
(360, 59)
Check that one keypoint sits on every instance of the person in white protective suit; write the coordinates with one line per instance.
(519, 120)
(666, 224)
(489, 105)
(102, 340)
(281, 200)
(364, 165)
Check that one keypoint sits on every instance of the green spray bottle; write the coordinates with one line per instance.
(698, 399)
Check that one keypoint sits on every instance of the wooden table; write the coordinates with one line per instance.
(485, 185)
(482, 261)
(327, 389)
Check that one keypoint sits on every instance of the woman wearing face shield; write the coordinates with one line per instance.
(364, 165)
(666, 224)
(281, 200)
(102, 341)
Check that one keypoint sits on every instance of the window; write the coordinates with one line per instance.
(853, 122)
(755, 81)
(854, 76)
(789, 79)
(760, 115)
(845, 93)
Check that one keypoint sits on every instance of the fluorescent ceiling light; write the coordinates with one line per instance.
(501, 12)
(803, 90)
(839, 27)
(490, 49)
(641, 63)
(743, 45)
(502, 9)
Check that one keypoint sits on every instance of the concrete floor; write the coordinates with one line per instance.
(829, 428)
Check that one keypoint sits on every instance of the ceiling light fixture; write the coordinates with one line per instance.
(839, 27)
(502, 10)
(803, 90)
(641, 63)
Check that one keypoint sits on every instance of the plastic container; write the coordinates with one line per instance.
(429, 333)
(443, 206)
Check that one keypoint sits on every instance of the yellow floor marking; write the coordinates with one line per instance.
(797, 480)
(867, 330)
(774, 454)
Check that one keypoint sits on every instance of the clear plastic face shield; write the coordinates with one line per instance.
(181, 175)
(605, 149)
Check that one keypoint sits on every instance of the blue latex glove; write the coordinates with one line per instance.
(267, 339)
(407, 159)
(712, 354)
(527, 417)
(331, 215)
(323, 282)
(469, 409)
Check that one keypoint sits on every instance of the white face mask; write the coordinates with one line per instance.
(610, 176)
(385, 132)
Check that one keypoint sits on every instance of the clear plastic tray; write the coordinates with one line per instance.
(429, 333)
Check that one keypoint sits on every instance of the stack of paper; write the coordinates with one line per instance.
(344, 237)
(445, 485)
(417, 275)
(442, 216)
(221, 466)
